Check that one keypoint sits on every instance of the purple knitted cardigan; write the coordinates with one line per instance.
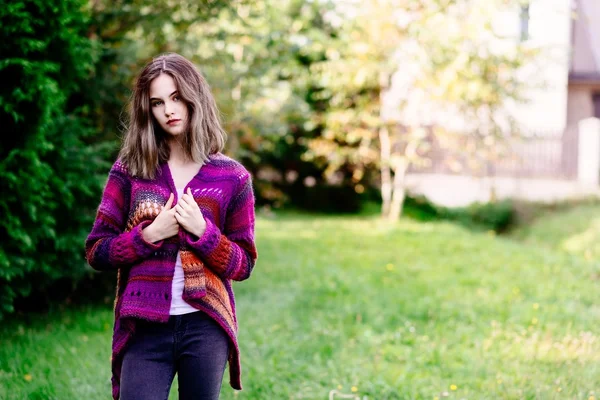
(225, 252)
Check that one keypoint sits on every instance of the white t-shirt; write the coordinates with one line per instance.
(178, 305)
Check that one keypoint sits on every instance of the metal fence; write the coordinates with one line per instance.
(544, 155)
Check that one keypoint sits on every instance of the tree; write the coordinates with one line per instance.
(129, 34)
(401, 70)
(257, 59)
(44, 161)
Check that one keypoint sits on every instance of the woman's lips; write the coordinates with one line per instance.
(173, 121)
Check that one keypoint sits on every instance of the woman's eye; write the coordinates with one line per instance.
(156, 103)
(176, 98)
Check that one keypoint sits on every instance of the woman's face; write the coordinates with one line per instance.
(168, 108)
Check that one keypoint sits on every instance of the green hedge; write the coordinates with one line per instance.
(496, 216)
(48, 173)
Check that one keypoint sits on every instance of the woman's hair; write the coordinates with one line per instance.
(145, 143)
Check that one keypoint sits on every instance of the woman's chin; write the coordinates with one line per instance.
(174, 131)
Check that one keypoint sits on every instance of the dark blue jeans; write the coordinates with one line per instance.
(192, 345)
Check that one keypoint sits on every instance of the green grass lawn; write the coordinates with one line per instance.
(575, 231)
(406, 311)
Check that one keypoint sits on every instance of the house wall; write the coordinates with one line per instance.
(586, 36)
(545, 112)
(585, 61)
(579, 105)
(460, 191)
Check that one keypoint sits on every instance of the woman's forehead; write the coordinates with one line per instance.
(163, 86)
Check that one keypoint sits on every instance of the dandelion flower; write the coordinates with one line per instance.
(453, 387)
(27, 377)
(354, 389)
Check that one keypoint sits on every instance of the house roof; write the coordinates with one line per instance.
(585, 62)
(582, 77)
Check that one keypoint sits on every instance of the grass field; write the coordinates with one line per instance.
(406, 311)
(575, 231)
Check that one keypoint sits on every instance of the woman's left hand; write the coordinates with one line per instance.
(188, 214)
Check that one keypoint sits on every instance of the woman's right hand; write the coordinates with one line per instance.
(164, 225)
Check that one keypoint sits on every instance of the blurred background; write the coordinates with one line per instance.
(426, 173)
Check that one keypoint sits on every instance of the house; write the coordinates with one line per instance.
(584, 67)
(561, 158)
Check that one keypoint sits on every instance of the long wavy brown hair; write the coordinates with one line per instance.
(145, 144)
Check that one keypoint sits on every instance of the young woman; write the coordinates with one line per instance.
(176, 221)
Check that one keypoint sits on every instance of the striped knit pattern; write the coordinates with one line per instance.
(225, 252)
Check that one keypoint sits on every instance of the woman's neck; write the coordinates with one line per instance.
(176, 155)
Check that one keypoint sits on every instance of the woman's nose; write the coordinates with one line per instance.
(168, 110)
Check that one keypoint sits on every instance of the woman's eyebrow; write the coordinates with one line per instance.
(158, 98)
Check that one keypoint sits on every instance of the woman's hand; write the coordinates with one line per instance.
(189, 216)
(164, 225)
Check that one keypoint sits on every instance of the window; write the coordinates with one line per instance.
(524, 28)
(596, 101)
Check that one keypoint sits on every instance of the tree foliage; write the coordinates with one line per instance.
(304, 88)
(403, 74)
(45, 163)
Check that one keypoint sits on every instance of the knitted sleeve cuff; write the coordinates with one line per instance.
(130, 247)
(207, 242)
(142, 247)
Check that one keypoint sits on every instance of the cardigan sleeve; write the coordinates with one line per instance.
(109, 246)
(230, 254)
